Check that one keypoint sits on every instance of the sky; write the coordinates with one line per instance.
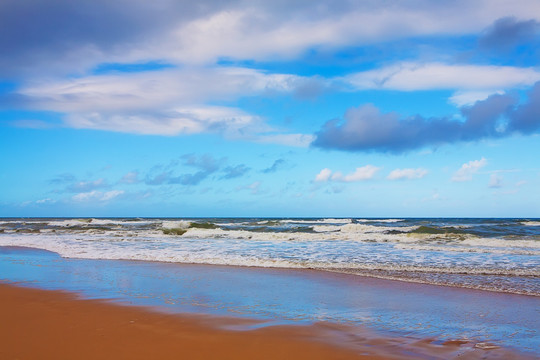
(240, 108)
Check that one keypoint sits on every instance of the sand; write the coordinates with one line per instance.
(39, 324)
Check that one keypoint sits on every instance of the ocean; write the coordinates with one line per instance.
(499, 255)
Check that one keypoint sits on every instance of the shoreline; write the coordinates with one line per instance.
(51, 324)
(362, 273)
(54, 324)
(339, 310)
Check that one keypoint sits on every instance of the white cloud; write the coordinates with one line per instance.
(97, 195)
(45, 201)
(169, 102)
(467, 170)
(324, 175)
(432, 76)
(86, 196)
(176, 100)
(260, 30)
(362, 173)
(167, 89)
(173, 122)
(109, 195)
(398, 174)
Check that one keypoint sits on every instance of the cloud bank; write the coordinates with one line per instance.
(367, 129)
(168, 102)
(67, 37)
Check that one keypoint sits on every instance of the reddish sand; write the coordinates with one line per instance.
(41, 324)
(38, 324)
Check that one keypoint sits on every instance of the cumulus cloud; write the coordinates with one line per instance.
(190, 38)
(367, 129)
(525, 118)
(399, 174)
(509, 32)
(324, 175)
(361, 173)
(96, 195)
(467, 170)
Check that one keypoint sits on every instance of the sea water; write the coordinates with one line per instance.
(501, 255)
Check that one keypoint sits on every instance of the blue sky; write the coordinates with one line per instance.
(256, 108)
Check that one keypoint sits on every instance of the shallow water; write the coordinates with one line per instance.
(501, 255)
(280, 295)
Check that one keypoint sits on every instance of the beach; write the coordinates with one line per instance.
(137, 309)
(48, 324)
(38, 324)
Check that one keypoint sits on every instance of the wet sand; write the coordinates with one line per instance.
(39, 324)
(44, 324)
(184, 311)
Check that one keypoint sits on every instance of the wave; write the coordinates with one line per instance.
(367, 249)
(379, 220)
(75, 248)
(506, 279)
(316, 221)
(517, 250)
(432, 230)
(531, 223)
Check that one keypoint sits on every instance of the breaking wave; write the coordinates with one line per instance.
(491, 254)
